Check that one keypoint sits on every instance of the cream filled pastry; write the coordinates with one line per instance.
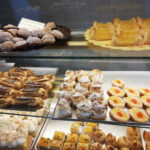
(115, 91)
(66, 86)
(96, 88)
(144, 91)
(98, 111)
(84, 109)
(98, 79)
(95, 72)
(81, 89)
(131, 92)
(118, 83)
(70, 73)
(85, 82)
(96, 96)
(64, 109)
(66, 95)
(69, 78)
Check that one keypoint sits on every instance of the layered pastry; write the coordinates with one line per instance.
(92, 124)
(123, 142)
(138, 115)
(119, 114)
(59, 136)
(43, 144)
(131, 92)
(96, 146)
(72, 138)
(84, 138)
(88, 130)
(115, 101)
(136, 145)
(64, 109)
(75, 128)
(110, 140)
(109, 147)
(146, 101)
(84, 110)
(69, 78)
(133, 133)
(98, 111)
(69, 146)
(118, 83)
(115, 91)
(144, 91)
(133, 102)
(56, 145)
(98, 136)
(82, 146)
(146, 135)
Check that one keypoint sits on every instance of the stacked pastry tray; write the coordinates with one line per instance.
(51, 126)
(135, 79)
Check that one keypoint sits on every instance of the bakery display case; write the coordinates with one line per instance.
(82, 82)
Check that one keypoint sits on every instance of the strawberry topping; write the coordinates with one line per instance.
(119, 114)
(118, 81)
(131, 91)
(140, 114)
(117, 91)
(134, 101)
(146, 90)
(115, 101)
(148, 100)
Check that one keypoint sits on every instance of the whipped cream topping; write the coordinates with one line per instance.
(84, 106)
(63, 104)
(81, 89)
(68, 78)
(65, 94)
(84, 79)
(95, 96)
(98, 107)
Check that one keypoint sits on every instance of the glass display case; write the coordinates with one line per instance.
(41, 75)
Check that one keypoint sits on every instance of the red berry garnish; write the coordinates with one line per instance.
(115, 101)
(118, 81)
(140, 114)
(131, 91)
(117, 91)
(119, 114)
(134, 101)
(146, 90)
(148, 100)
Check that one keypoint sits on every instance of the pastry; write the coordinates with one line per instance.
(98, 111)
(13, 32)
(37, 33)
(84, 138)
(59, 136)
(17, 39)
(81, 89)
(115, 101)
(144, 91)
(88, 130)
(72, 138)
(133, 133)
(146, 101)
(9, 26)
(70, 73)
(115, 91)
(56, 145)
(131, 92)
(119, 114)
(136, 145)
(64, 109)
(75, 128)
(97, 88)
(84, 110)
(95, 72)
(49, 26)
(148, 111)
(20, 45)
(110, 140)
(147, 145)
(123, 142)
(96, 97)
(23, 33)
(48, 39)
(124, 148)
(92, 124)
(98, 136)
(138, 115)
(98, 79)
(146, 135)
(82, 146)
(66, 86)
(80, 123)
(57, 34)
(66, 95)
(33, 41)
(96, 146)
(109, 147)
(133, 102)
(84, 82)
(69, 78)
(118, 83)
(44, 144)
(69, 146)
(7, 46)
(82, 73)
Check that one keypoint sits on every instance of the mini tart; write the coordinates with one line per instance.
(115, 91)
(82, 146)
(133, 102)
(118, 83)
(131, 92)
(146, 100)
(138, 115)
(115, 101)
(119, 114)
(69, 146)
(144, 91)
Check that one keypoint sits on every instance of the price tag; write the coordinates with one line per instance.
(31, 24)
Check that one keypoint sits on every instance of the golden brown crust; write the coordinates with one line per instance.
(136, 145)
(146, 135)
(110, 140)
(96, 146)
(123, 142)
(98, 136)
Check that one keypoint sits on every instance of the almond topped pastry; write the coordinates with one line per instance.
(115, 91)
(144, 91)
(115, 101)
(131, 92)
(118, 83)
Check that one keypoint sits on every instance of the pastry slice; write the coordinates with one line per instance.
(92, 124)
(96, 146)
(146, 101)
(88, 130)
(119, 114)
(69, 146)
(144, 91)
(115, 101)
(115, 91)
(131, 92)
(118, 83)
(74, 128)
(146, 135)
(84, 138)
(56, 144)
(72, 138)
(82, 146)
(138, 115)
(59, 136)
(133, 102)
(44, 144)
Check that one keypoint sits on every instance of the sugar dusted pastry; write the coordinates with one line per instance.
(123, 142)
(69, 78)
(88, 130)
(124, 148)
(115, 91)
(72, 137)
(131, 92)
(59, 136)
(95, 72)
(74, 128)
(82, 73)
(98, 136)
(97, 88)
(84, 138)
(56, 144)
(146, 135)
(118, 83)
(64, 109)
(119, 114)
(136, 145)
(115, 101)
(98, 111)
(146, 101)
(84, 110)
(98, 79)
(66, 95)
(138, 115)
(110, 140)
(81, 89)
(69, 146)
(96, 146)
(70, 73)
(133, 133)
(44, 143)
(84, 81)
(109, 147)
(82, 146)
(66, 86)
(92, 124)
(133, 102)
(96, 96)
(144, 91)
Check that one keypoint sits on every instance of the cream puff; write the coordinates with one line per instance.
(146, 101)
(95, 72)
(118, 83)
(131, 92)
(66, 86)
(115, 101)
(96, 97)
(84, 82)
(98, 79)
(97, 88)
(70, 73)
(115, 91)
(81, 89)
(66, 95)
(133, 102)
(144, 91)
